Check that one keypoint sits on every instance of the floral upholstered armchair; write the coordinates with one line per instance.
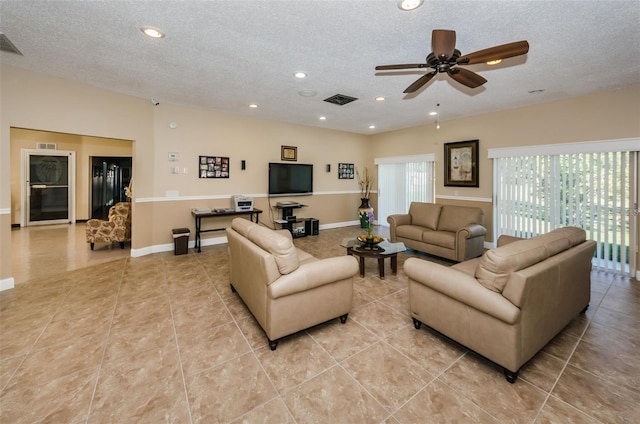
(117, 228)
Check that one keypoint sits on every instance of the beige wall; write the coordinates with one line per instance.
(604, 116)
(84, 146)
(30, 100)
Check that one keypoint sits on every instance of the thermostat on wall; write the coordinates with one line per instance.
(174, 156)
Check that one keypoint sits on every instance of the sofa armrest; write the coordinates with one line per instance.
(471, 231)
(285, 233)
(396, 220)
(314, 274)
(461, 287)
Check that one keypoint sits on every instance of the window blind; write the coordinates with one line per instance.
(535, 194)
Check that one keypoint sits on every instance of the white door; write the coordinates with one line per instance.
(49, 187)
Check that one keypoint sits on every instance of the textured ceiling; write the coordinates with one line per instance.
(226, 54)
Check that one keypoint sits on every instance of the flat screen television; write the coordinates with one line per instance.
(290, 179)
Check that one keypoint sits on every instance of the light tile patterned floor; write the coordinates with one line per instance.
(162, 338)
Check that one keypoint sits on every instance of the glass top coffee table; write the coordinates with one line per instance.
(381, 251)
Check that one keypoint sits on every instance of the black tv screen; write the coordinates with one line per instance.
(286, 179)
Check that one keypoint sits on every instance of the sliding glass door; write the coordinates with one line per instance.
(594, 190)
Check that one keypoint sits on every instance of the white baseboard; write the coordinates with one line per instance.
(7, 284)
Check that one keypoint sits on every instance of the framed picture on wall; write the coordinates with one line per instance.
(289, 153)
(345, 171)
(213, 167)
(461, 164)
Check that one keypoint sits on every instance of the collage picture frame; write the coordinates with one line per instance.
(213, 167)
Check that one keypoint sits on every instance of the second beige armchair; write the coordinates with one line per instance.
(286, 289)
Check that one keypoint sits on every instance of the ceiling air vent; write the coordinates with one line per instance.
(340, 99)
(46, 146)
(7, 46)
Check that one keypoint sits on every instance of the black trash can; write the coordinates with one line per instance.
(180, 241)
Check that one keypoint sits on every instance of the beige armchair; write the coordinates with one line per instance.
(286, 289)
(116, 229)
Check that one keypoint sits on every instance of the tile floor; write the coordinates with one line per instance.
(162, 338)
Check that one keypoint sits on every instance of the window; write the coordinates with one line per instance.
(402, 180)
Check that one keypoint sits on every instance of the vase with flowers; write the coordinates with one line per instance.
(365, 181)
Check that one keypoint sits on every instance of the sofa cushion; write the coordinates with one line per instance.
(425, 215)
(412, 232)
(242, 226)
(575, 235)
(452, 218)
(279, 246)
(440, 238)
(497, 264)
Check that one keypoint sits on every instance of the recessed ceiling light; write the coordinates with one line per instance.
(307, 93)
(300, 75)
(152, 32)
(433, 113)
(380, 99)
(372, 127)
(253, 106)
(494, 62)
(409, 4)
(323, 118)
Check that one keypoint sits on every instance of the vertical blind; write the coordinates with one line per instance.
(401, 181)
(594, 191)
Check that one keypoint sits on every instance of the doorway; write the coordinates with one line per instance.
(109, 177)
(49, 187)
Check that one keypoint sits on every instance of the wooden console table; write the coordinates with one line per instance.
(198, 217)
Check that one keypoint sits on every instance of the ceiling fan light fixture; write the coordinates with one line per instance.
(409, 4)
(494, 62)
(152, 32)
(380, 99)
(434, 113)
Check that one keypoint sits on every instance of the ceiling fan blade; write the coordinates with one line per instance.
(420, 82)
(466, 77)
(503, 51)
(404, 66)
(443, 42)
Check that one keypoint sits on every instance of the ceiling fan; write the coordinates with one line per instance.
(446, 58)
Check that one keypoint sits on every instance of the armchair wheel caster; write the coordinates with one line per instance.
(273, 344)
(417, 324)
(343, 318)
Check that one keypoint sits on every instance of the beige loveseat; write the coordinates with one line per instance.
(285, 288)
(452, 232)
(508, 304)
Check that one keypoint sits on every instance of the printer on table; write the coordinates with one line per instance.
(241, 203)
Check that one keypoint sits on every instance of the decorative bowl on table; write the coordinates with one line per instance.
(370, 240)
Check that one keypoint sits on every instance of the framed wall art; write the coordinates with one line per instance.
(461, 164)
(289, 153)
(345, 171)
(213, 167)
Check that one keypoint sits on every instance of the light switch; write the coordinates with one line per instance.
(175, 169)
